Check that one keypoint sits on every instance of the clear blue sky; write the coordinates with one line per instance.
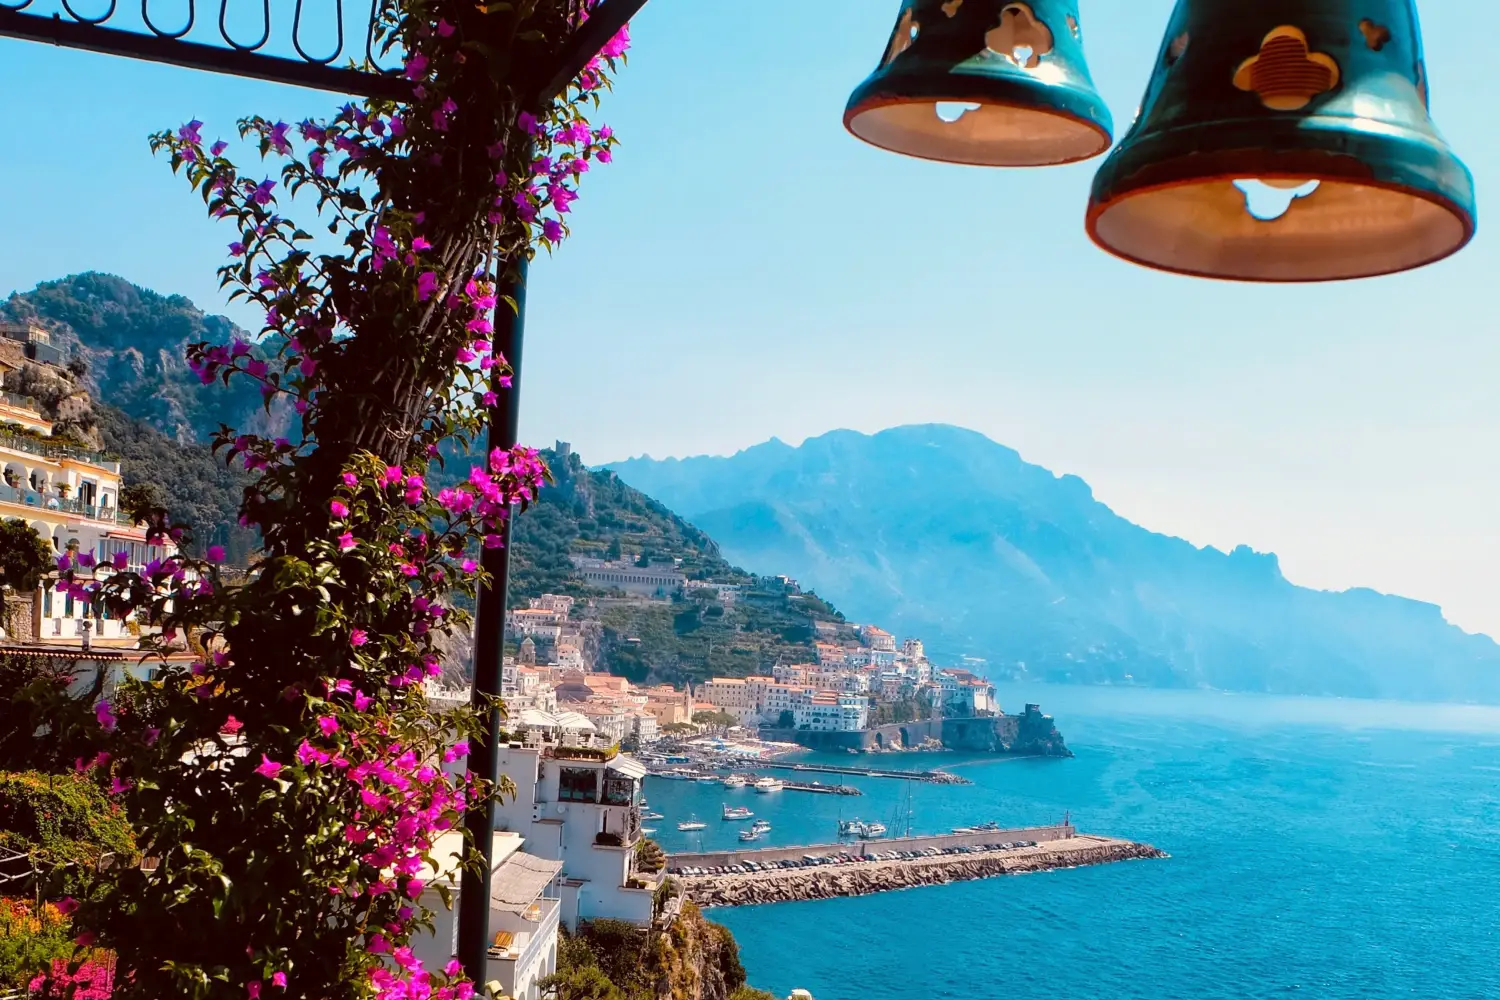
(746, 269)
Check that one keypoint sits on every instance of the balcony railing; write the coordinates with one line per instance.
(46, 449)
(23, 402)
(62, 505)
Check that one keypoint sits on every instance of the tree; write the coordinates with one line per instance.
(787, 720)
(24, 556)
(139, 499)
(614, 552)
(289, 853)
(719, 719)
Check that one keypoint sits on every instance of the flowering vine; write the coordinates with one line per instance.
(284, 774)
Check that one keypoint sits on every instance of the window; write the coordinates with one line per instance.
(577, 784)
(619, 791)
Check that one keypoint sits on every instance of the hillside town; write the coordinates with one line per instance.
(843, 686)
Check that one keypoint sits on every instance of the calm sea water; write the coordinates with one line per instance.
(1320, 849)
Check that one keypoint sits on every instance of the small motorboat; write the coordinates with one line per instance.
(735, 813)
(688, 826)
(761, 826)
(734, 781)
(648, 830)
(767, 785)
(746, 836)
(652, 815)
(875, 830)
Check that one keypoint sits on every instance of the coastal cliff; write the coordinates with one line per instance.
(1029, 734)
(691, 958)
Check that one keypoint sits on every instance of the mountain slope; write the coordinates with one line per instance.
(947, 535)
(134, 341)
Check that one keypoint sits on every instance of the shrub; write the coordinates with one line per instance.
(60, 819)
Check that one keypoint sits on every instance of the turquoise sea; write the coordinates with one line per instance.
(1320, 849)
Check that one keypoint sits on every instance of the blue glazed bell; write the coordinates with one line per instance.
(992, 83)
(1285, 140)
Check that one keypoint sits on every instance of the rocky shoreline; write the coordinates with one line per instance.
(864, 878)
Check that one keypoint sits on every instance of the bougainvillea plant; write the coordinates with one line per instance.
(282, 771)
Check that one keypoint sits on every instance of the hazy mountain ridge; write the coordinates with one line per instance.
(945, 534)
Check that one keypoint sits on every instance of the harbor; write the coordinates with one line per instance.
(830, 871)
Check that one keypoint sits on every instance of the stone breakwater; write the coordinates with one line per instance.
(864, 878)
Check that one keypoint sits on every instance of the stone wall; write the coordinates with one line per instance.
(17, 617)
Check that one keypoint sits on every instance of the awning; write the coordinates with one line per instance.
(533, 718)
(575, 722)
(519, 881)
(628, 766)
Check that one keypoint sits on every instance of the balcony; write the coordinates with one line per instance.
(61, 505)
(47, 449)
(521, 944)
(20, 402)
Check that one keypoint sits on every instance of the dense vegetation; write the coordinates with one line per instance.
(133, 343)
(60, 819)
(614, 960)
(197, 489)
(24, 557)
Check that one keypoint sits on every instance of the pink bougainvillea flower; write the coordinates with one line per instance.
(416, 66)
(67, 906)
(362, 701)
(86, 939)
(106, 716)
(121, 560)
(252, 989)
(216, 553)
(268, 768)
(350, 479)
(119, 785)
(278, 979)
(338, 509)
(346, 541)
(444, 29)
(457, 750)
(358, 637)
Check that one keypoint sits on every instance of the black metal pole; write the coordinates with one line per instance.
(489, 647)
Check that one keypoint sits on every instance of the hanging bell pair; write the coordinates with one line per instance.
(1280, 140)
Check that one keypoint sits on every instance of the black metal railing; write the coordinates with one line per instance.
(47, 449)
(290, 41)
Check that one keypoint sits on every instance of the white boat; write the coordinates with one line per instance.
(875, 830)
(736, 813)
(690, 825)
(749, 835)
(707, 779)
(767, 785)
(851, 828)
(761, 826)
(648, 830)
(734, 781)
(652, 815)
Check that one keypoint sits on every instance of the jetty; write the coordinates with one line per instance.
(936, 777)
(829, 871)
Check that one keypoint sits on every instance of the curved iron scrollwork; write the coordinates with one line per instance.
(248, 38)
(284, 50)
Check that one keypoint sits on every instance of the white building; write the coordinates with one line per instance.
(733, 695)
(525, 912)
(644, 581)
(877, 638)
(826, 712)
(580, 805)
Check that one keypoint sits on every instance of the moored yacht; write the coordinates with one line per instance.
(687, 826)
(736, 813)
(768, 785)
(734, 781)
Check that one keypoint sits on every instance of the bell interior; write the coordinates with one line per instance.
(1342, 229)
(991, 135)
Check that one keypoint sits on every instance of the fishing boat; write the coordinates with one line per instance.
(688, 826)
(734, 781)
(749, 835)
(652, 815)
(732, 813)
(767, 785)
(761, 826)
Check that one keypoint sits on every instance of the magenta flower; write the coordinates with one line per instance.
(252, 989)
(216, 553)
(457, 750)
(67, 906)
(278, 138)
(278, 979)
(362, 701)
(416, 66)
(106, 716)
(358, 638)
(470, 565)
(189, 132)
(262, 193)
(268, 768)
(350, 479)
(552, 230)
(328, 725)
(85, 940)
(426, 285)
(346, 541)
(337, 508)
(444, 29)
(121, 560)
(420, 243)
(119, 785)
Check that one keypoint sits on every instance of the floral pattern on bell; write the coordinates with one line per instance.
(1327, 97)
(983, 82)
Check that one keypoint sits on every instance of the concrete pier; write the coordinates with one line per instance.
(865, 877)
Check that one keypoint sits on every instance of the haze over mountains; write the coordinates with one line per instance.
(940, 532)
